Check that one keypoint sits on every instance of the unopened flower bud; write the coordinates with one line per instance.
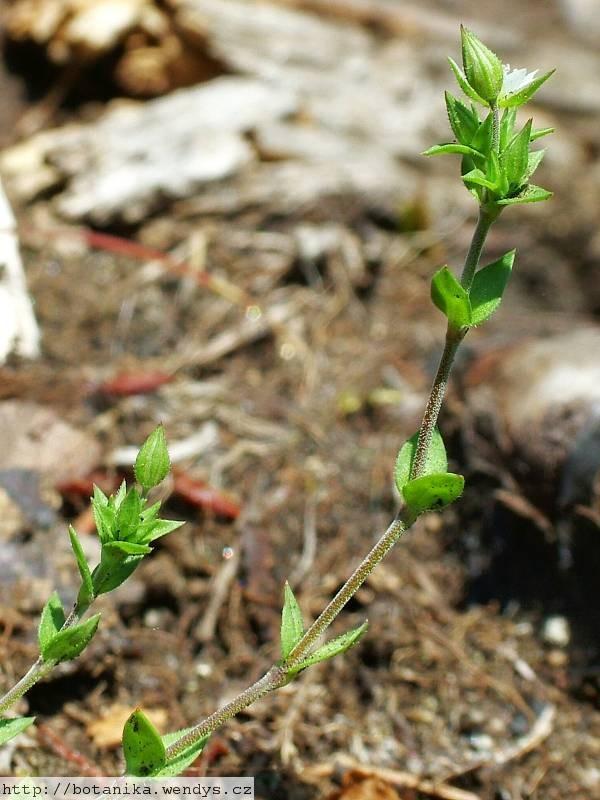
(483, 69)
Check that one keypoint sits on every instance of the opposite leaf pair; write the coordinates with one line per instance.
(468, 307)
(292, 631)
(436, 487)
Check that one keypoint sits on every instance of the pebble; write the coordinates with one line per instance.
(556, 631)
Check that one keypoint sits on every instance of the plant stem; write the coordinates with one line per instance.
(400, 524)
(35, 673)
(486, 218)
(495, 129)
(277, 675)
(453, 339)
(435, 400)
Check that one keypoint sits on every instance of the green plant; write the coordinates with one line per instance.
(497, 164)
(496, 167)
(126, 526)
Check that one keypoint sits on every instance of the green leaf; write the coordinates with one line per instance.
(435, 462)
(483, 68)
(464, 84)
(524, 94)
(114, 567)
(531, 194)
(537, 133)
(333, 648)
(515, 158)
(431, 492)
(104, 515)
(120, 495)
(463, 121)
(127, 548)
(143, 746)
(450, 297)
(152, 463)
(51, 621)
(534, 160)
(450, 147)
(179, 763)
(477, 178)
(507, 127)
(149, 531)
(128, 516)
(292, 626)
(70, 642)
(151, 512)
(496, 174)
(488, 287)
(86, 591)
(9, 728)
(482, 141)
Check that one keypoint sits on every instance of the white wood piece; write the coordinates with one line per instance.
(19, 331)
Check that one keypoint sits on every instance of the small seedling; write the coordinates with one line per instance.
(126, 526)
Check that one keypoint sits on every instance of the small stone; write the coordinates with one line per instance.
(556, 631)
(481, 742)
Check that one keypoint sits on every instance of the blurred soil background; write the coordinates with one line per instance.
(226, 227)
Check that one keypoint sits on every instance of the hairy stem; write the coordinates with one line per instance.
(35, 673)
(277, 675)
(453, 339)
(349, 589)
(435, 400)
(495, 129)
(484, 223)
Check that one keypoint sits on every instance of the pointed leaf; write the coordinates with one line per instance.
(507, 127)
(70, 642)
(127, 548)
(143, 746)
(432, 491)
(114, 568)
(534, 160)
(537, 133)
(514, 159)
(531, 194)
(179, 763)
(151, 512)
(128, 516)
(464, 84)
(86, 592)
(152, 463)
(9, 728)
(450, 147)
(435, 462)
(51, 621)
(463, 121)
(104, 515)
(488, 287)
(120, 495)
(477, 178)
(158, 528)
(526, 93)
(482, 141)
(334, 648)
(292, 626)
(450, 297)
(496, 174)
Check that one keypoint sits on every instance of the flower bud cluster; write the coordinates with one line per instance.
(497, 159)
